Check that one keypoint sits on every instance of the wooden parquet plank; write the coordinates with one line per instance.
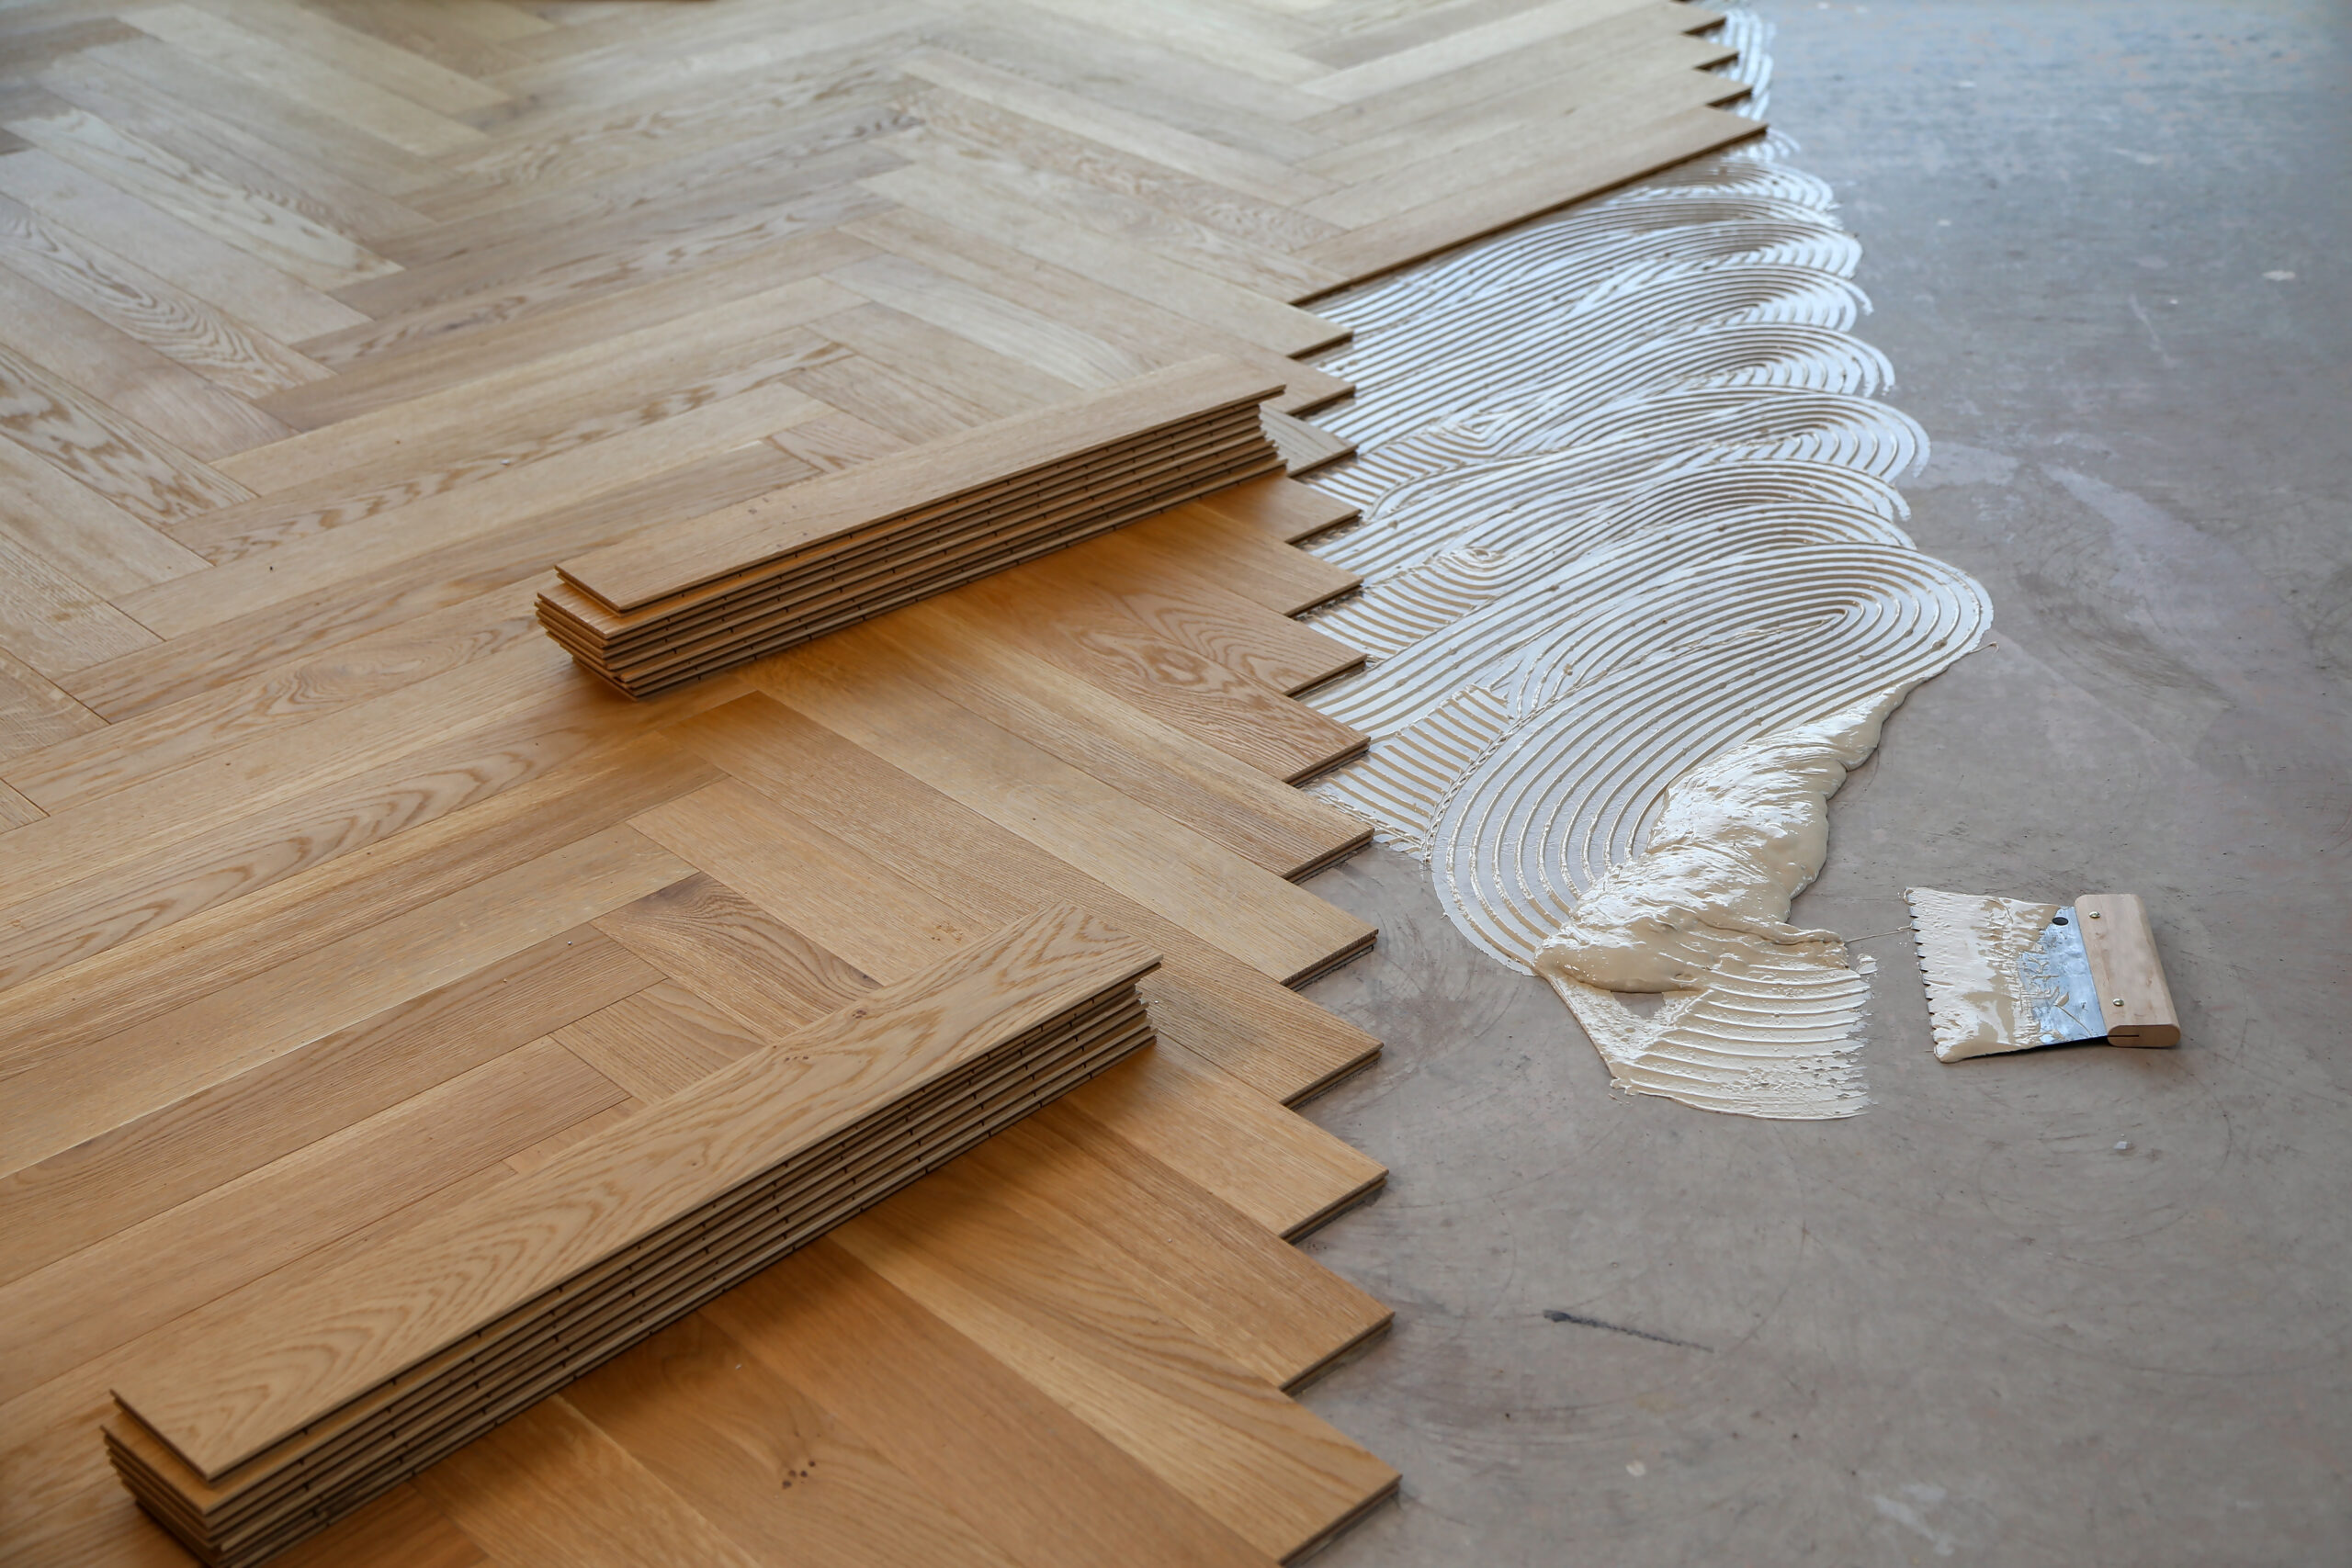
(235, 1233)
(1203, 96)
(659, 1040)
(1133, 317)
(689, 55)
(904, 406)
(598, 142)
(1387, 67)
(237, 939)
(141, 1167)
(551, 1488)
(34, 714)
(120, 372)
(56, 625)
(355, 53)
(1221, 1272)
(1582, 157)
(306, 79)
(1617, 58)
(479, 264)
(1069, 355)
(281, 236)
(963, 1426)
(146, 309)
(1228, 1011)
(715, 942)
(82, 914)
(65, 1092)
(1269, 228)
(963, 660)
(1093, 1342)
(1183, 599)
(209, 91)
(212, 270)
(130, 466)
(358, 417)
(506, 510)
(1267, 179)
(770, 1468)
(401, 586)
(923, 352)
(84, 766)
(1219, 705)
(965, 210)
(1250, 914)
(47, 513)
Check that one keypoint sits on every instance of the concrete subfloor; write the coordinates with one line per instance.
(2076, 1307)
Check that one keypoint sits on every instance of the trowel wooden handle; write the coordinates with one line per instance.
(2131, 994)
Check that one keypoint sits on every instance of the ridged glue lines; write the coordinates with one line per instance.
(1637, 595)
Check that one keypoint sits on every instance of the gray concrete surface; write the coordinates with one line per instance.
(1965, 1326)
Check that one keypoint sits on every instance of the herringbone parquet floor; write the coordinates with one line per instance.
(330, 892)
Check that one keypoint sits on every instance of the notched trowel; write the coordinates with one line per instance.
(2007, 975)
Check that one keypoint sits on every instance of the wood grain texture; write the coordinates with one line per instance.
(326, 330)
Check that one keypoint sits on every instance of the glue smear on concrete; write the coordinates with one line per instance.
(1637, 596)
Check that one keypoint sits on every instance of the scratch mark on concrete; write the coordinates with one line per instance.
(1558, 1316)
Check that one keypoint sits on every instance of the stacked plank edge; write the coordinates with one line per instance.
(689, 599)
(315, 1402)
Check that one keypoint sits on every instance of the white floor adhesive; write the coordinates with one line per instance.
(1637, 596)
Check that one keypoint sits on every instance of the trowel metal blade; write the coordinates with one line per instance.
(2056, 975)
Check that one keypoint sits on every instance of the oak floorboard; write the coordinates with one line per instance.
(1250, 721)
(657, 1041)
(1132, 322)
(190, 331)
(1184, 597)
(304, 77)
(963, 1425)
(1233, 1015)
(770, 1468)
(65, 1092)
(89, 913)
(230, 942)
(1252, 914)
(963, 658)
(140, 1167)
(1044, 1306)
(113, 455)
(282, 236)
(84, 765)
(49, 514)
(155, 391)
(186, 257)
(713, 942)
(235, 1233)
(549, 1489)
(203, 89)
(340, 609)
(55, 624)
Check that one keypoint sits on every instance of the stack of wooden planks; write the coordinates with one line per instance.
(690, 598)
(308, 1402)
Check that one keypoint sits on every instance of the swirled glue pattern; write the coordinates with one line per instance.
(1637, 597)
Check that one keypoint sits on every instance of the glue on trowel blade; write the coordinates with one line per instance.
(2003, 974)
